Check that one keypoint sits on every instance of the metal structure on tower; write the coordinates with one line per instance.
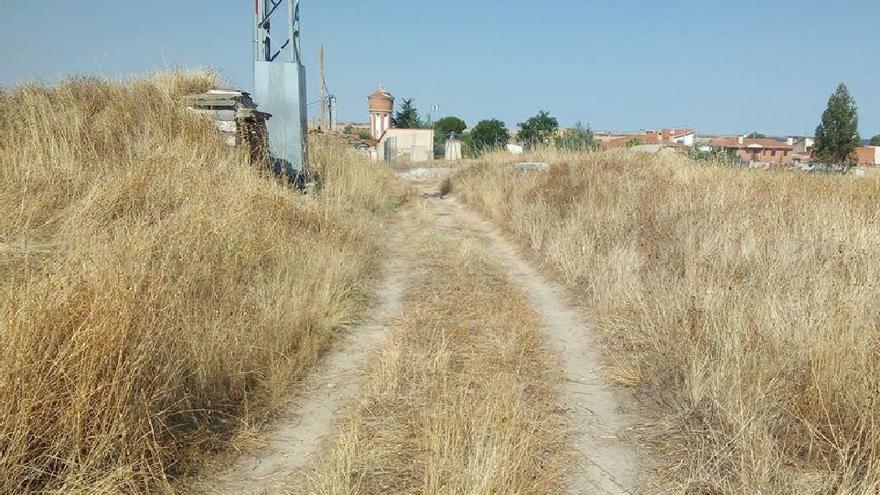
(280, 83)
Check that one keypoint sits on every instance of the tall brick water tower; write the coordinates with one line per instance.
(381, 107)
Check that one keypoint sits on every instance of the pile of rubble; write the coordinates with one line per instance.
(235, 115)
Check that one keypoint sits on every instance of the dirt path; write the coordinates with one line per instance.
(607, 463)
(293, 440)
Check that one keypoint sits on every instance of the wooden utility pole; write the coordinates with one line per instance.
(323, 83)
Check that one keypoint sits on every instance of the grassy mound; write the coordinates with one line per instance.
(157, 292)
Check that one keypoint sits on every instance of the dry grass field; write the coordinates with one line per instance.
(462, 397)
(741, 306)
(156, 292)
(159, 295)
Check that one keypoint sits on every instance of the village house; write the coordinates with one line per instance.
(666, 137)
(756, 150)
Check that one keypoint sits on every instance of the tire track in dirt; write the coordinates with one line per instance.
(607, 464)
(293, 440)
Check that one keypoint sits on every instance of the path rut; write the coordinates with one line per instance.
(607, 464)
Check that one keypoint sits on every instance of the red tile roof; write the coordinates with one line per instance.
(381, 93)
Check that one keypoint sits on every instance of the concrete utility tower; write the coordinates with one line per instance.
(280, 83)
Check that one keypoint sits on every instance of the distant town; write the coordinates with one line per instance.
(387, 139)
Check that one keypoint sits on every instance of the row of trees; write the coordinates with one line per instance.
(491, 134)
(837, 136)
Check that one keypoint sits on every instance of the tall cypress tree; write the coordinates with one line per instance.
(837, 137)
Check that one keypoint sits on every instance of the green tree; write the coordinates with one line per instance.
(408, 115)
(539, 129)
(578, 138)
(875, 141)
(633, 143)
(445, 127)
(488, 135)
(837, 136)
(756, 135)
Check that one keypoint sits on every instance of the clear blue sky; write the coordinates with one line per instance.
(719, 66)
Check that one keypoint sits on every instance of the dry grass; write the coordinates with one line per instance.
(744, 304)
(157, 293)
(460, 399)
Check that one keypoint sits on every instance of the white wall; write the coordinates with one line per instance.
(453, 150)
(687, 140)
(414, 145)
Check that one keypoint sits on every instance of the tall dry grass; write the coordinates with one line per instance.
(743, 305)
(157, 293)
(461, 397)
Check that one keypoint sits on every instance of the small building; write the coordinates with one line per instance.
(802, 144)
(686, 137)
(756, 150)
(868, 155)
(406, 146)
(452, 150)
